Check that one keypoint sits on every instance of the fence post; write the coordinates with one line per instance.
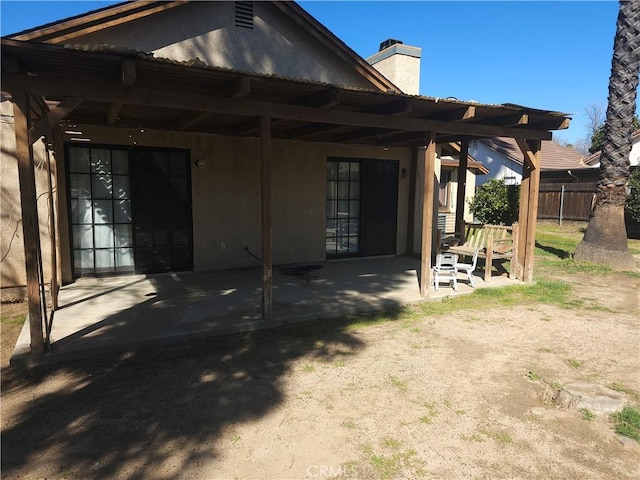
(561, 202)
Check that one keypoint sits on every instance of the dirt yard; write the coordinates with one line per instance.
(456, 395)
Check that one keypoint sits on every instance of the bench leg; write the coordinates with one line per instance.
(487, 269)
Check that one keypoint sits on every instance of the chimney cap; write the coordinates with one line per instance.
(389, 42)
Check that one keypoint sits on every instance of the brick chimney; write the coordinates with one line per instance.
(399, 63)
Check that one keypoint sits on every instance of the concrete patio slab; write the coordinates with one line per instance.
(128, 312)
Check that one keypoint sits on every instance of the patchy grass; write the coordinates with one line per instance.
(587, 414)
(628, 423)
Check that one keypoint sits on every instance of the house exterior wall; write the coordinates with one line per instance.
(206, 30)
(634, 156)
(500, 166)
(226, 195)
(12, 266)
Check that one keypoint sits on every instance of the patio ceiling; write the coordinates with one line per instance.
(109, 86)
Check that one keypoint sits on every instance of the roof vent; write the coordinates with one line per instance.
(386, 44)
(244, 15)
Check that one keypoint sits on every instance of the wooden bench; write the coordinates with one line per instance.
(494, 242)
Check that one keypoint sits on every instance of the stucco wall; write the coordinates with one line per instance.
(12, 268)
(226, 195)
(207, 30)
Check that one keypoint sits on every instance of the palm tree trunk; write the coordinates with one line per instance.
(605, 240)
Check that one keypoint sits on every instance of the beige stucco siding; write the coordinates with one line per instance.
(12, 267)
(206, 30)
(226, 195)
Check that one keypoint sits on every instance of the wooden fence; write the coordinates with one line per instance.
(569, 201)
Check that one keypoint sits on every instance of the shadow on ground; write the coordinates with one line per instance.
(558, 252)
(126, 415)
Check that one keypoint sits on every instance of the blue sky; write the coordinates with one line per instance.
(544, 54)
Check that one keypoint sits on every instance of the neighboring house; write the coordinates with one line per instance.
(180, 134)
(634, 156)
(504, 159)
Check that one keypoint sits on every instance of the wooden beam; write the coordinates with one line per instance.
(190, 119)
(399, 107)
(456, 114)
(506, 120)
(528, 206)
(325, 99)
(428, 161)
(360, 135)
(30, 227)
(265, 195)
(114, 111)
(52, 119)
(462, 185)
(188, 101)
(237, 88)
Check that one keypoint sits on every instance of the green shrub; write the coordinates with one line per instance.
(632, 206)
(496, 203)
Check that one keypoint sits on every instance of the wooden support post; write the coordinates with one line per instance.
(462, 184)
(528, 207)
(411, 216)
(265, 180)
(428, 160)
(30, 227)
(53, 232)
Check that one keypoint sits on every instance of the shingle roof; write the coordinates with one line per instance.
(552, 157)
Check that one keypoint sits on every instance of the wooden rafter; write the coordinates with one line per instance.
(53, 118)
(456, 114)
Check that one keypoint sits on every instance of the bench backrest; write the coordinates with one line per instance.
(477, 235)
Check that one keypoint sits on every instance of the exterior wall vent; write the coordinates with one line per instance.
(244, 15)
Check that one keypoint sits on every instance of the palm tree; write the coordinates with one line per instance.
(605, 240)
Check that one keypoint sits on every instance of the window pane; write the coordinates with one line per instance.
(332, 206)
(343, 190)
(353, 245)
(331, 245)
(83, 236)
(103, 236)
(331, 227)
(100, 161)
(102, 211)
(354, 208)
(122, 212)
(144, 238)
(102, 186)
(354, 226)
(177, 164)
(343, 209)
(332, 169)
(119, 162)
(331, 190)
(80, 185)
(354, 191)
(105, 260)
(79, 160)
(343, 171)
(121, 187)
(355, 172)
(161, 237)
(123, 236)
(161, 160)
(180, 237)
(124, 258)
(83, 259)
(343, 227)
(80, 211)
(343, 245)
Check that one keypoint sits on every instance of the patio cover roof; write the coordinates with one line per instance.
(112, 86)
